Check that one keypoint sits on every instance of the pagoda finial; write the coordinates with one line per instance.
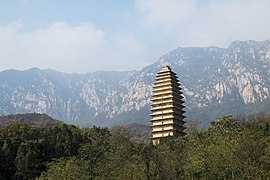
(166, 68)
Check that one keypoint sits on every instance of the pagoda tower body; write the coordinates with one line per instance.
(167, 117)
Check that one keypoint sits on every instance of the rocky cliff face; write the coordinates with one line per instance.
(240, 72)
(215, 81)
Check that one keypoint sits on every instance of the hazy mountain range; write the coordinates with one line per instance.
(215, 81)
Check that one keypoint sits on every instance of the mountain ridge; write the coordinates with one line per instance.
(211, 77)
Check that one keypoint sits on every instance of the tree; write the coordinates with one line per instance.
(67, 168)
(29, 160)
(96, 144)
(121, 155)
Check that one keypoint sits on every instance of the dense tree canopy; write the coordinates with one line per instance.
(231, 148)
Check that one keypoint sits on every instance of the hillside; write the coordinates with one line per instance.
(139, 133)
(215, 81)
(32, 119)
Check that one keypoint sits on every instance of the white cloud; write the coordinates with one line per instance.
(204, 23)
(81, 48)
(59, 46)
(139, 38)
(170, 13)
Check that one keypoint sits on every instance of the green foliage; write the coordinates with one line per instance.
(232, 148)
(28, 160)
(96, 144)
(228, 150)
(70, 168)
(25, 149)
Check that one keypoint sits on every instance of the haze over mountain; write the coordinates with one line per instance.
(215, 81)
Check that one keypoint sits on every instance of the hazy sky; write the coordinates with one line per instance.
(90, 35)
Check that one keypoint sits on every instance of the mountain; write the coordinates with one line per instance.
(32, 119)
(215, 81)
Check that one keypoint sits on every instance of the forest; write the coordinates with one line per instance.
(231, 148)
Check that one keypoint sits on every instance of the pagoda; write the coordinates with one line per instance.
(167, 117)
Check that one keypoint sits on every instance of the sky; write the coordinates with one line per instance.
(119, 35)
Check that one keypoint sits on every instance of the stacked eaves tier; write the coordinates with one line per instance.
(167, 106)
